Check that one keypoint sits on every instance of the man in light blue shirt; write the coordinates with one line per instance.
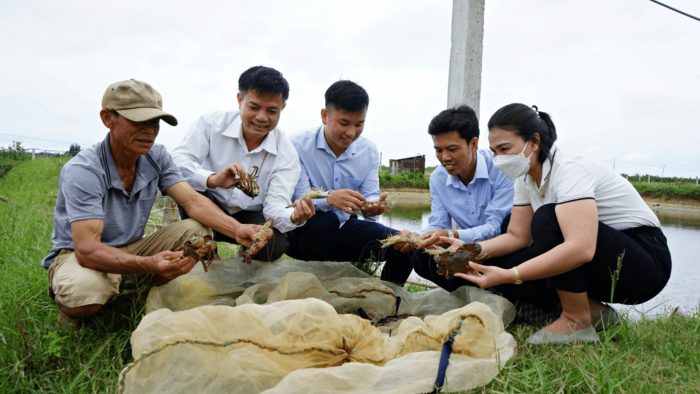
(336, 157)
(467, 187)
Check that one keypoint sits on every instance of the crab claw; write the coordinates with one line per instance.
(195, 242)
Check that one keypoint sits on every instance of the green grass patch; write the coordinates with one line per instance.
(646, 356)
(404, 180)
(36, 356)
(683, 191)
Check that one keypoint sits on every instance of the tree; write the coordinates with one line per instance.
(74, 149)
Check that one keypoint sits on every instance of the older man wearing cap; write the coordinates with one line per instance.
(105, 195)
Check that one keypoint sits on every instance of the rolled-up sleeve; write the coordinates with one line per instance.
(369, 188)
(501, 205)
(282, 190)
(191, 152)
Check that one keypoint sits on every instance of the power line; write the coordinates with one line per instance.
(678, 11)
(38, 139)
(658, 165)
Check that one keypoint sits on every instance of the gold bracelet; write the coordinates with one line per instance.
(517, 276)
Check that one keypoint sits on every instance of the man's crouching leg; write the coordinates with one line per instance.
(79, 291)
(170, 237)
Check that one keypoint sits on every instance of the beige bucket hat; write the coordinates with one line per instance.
(136, 101)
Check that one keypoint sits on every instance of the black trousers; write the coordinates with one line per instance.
(425, 266)
(644, 271)
(322, 239)
(272, 251)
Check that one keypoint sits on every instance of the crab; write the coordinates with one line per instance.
(449, 263)
(199, 250)
(249, 186)
(257, 238)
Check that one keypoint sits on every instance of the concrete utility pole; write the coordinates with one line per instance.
(464, 85)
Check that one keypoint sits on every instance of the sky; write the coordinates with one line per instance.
(621, 79)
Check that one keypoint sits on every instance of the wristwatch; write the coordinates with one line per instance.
(517, 276)
(450, 234)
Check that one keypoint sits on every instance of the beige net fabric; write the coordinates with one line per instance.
(232, 282)
(298, 342)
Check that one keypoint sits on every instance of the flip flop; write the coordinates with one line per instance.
(608, 319)
(542, 337)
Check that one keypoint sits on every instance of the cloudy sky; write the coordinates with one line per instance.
(620, 78)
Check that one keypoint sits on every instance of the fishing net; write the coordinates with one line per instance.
(297, 328)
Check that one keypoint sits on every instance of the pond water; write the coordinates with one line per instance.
(681, 229)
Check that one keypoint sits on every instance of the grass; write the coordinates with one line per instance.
(36, 356)
(404, 180)
(667, 191)
(646, 356)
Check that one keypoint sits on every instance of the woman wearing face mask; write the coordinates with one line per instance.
(572, 219)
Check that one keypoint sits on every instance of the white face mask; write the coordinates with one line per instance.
(513, 166)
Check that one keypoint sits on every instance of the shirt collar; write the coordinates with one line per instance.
(146, 169)
(546, 167)
(481, 171)
(109, 165)
(321, 143)
(235, 130)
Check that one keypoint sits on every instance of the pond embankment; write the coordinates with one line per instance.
(422, 197)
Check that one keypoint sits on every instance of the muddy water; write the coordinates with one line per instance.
(681, 229)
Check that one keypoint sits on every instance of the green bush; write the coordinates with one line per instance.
(404, 180)
(684, 191)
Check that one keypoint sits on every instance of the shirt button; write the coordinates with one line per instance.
(336, 179)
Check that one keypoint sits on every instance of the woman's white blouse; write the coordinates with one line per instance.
(572, 177)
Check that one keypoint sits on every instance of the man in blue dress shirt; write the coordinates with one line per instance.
(335, 157)
(467, 187)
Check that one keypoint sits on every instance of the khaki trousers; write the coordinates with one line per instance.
(75, 285)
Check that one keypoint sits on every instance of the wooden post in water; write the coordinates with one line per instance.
(170, 211)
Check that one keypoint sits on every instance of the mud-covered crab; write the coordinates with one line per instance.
(449, 263)
(199, 250)
(249, 186)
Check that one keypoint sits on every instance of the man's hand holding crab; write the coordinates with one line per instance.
(228, 177)
(245, 234)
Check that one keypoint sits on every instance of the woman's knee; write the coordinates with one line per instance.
(545, 229)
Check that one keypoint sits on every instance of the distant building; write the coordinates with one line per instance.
(415, 164)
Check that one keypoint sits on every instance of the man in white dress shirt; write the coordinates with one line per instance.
(336, 157)
(222, 147)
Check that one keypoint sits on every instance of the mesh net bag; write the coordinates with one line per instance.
(292, 332)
